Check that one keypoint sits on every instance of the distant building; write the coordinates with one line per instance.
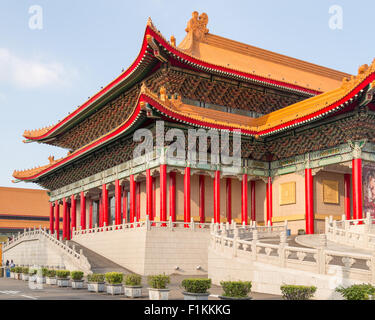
(22, 208)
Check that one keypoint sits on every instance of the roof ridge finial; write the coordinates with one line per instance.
(198, 25)
(149, 22)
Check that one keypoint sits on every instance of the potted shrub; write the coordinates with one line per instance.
(132, 286)
(114, 282)
(51, 277)
(41, 276)
(62, 278)
(77, 281)
(196, 289)
(235, 290)
(293, 292)
(158, 287)
(95, 282)
(25, 274)
(357, 292)
(17, 273)
(12, 273)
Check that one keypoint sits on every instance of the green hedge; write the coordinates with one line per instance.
(236, 289)
(196, 285)
(293, 292)
(32, 271)
(76, 275)
(114, 277)
(159, 281)
(18, 269)
(12, 269)
(51, 273)
(357, 291)
(44, 272)
(62, 274)
(96, 277)
(133, 280)
(25, 270)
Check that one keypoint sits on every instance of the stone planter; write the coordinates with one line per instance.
(40, 280)
(52, 281)
(158, 294)
(133, 291)
(32, 277)
(12, 275)
(17, 276)
(114, 289)
(24, 277)
(195, 296)
(62, 282)
(233, 298)
(96, 286)
(77, 284)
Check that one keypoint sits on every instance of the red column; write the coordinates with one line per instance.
(187, 216)
(163, 192)
(202, 217)
(153, 198)
(125, 205)
(357, 188)
(51, 227)
(68, 233)
(149, 194)
(269, 200)
(105, 204)
(57, 219)
(83, 211)
(132, 198)
(100, 213)
(73, 211)
(244, 199)
(217, 197)
(117, 202)
(252, 194)
(90, 213)
(138, 199)
(309, 202)
(347, 195)
(172, 195)
(64, 219)
(229, 199)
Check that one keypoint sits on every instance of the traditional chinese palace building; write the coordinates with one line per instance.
(307, 139)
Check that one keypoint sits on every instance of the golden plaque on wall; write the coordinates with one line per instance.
(331, 191)
(288, 193)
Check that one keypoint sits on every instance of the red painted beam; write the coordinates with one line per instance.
(172, 195)
(64, 219)
(51, 209)
(132, 198)
(149, 194)
(73, 211)
(125, 205)
(57, 219)
(83, 210)
(90, 213)
(117, 202)
(187, 216)
(163, 192)
(357, 188)
(244, 203)
(309, 202)
(217, 197)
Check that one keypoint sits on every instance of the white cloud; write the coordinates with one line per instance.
(30, 73)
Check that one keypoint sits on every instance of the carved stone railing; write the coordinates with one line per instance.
(77, 258)
(321, 260)
(147, 224)
(357, 233)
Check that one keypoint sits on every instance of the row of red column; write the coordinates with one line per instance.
(69, 210)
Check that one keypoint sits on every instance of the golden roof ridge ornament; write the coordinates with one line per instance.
(196, 31)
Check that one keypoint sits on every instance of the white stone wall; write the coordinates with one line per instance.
(152, 251)
(38, 252)
(267, 278)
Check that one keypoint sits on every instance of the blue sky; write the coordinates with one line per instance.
(83, 45)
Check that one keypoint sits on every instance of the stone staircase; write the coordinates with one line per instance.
(99, 264)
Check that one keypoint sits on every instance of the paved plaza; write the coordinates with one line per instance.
(11, 289)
